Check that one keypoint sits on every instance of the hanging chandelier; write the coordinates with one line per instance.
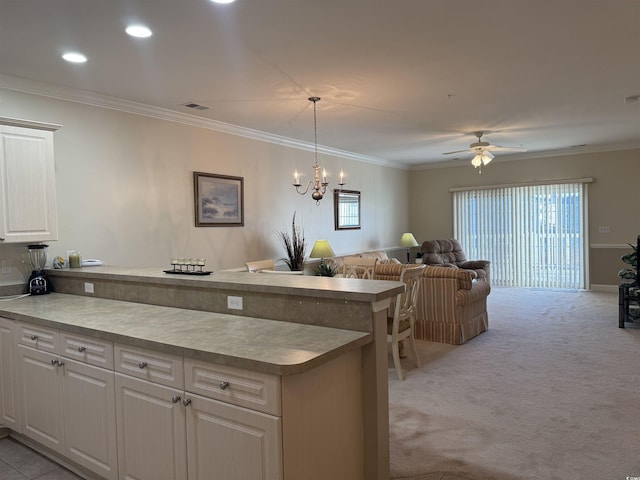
(319, 184)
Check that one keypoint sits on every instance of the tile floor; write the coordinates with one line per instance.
(19, 462)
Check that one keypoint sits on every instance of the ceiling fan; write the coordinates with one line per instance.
(482, 151)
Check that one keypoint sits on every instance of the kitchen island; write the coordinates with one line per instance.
(315, 346)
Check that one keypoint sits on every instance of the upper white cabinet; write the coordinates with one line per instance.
(27, 181)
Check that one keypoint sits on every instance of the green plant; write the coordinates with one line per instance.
(295, 246)
(327, 270)
(630, 259)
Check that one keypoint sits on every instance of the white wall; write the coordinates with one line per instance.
(125, 190)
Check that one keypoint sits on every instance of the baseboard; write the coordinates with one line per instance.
(604, 288)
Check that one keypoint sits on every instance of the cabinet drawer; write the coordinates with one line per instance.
(40, 338)
(87, 349)
(254, 390)
(156, 367)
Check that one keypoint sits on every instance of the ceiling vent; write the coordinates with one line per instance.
(195, 106)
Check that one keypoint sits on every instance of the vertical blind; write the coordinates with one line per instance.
(533, 235)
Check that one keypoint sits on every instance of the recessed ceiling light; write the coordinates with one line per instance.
(223, 1)
(74, 57)
(139, 31)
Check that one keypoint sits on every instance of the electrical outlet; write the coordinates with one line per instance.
(604, 229)
(88, 287)
(234, 303)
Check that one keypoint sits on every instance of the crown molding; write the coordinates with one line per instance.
(127, 106)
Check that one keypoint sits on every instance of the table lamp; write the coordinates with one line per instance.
(408, 240)
(321, 249)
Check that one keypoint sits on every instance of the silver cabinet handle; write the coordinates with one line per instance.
(175, 399)
(224, 385)
(186, 402)
(57, 362)
(34, 337)
(54, 361)
(142, 365)
(60, 364)
(81, 349)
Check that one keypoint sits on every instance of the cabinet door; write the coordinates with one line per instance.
(90, 418)
(41, 397)
(27, 179)
(9, 406)
(150, 421)
(231, 443)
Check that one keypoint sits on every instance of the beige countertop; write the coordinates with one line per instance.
(303, 285)
(269, 346)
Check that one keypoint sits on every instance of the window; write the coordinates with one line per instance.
(534, 235)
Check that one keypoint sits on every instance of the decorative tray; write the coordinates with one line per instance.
(179, 272)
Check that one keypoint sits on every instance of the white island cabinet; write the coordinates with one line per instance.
(27, 182)
(165, 431)
(123, 390)
(67, 405)
(10, 415)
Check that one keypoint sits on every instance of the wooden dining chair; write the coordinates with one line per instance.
(402, 324)
(357, 267)
(256, 266)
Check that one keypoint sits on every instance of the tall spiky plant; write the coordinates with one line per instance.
(294, 244)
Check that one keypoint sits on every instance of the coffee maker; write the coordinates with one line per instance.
(38, 280)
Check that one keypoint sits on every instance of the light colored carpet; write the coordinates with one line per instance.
(550, 391)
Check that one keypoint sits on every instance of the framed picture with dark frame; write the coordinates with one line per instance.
(219, 200)
(346, 207)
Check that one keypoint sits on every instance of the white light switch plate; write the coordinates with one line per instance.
(234, 303)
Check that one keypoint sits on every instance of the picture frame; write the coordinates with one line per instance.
(346, 208)
(218, 200)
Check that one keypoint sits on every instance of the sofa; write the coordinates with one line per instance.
(452, 307)
(449, 253)
(338, 262)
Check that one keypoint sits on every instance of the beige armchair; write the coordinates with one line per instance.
(449, 253)
(451, 308)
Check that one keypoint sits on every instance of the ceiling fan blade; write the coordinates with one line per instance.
(458, 151)
(500, 148)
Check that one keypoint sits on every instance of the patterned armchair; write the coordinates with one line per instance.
(449, 253)
(452, 308)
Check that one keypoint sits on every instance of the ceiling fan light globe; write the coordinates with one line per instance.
(476, 161)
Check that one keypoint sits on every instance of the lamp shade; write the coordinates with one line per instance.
(408, 240)
(321, 249)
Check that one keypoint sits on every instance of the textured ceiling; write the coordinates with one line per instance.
(401, 81)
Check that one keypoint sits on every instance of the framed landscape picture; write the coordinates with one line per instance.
(219, 200)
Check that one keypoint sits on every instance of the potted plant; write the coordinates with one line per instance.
(630, 259)
(294, 244)
(327, 270)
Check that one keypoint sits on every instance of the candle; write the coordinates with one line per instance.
(296, 177)
(324, 175)
(341, 177)
(74, 260)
